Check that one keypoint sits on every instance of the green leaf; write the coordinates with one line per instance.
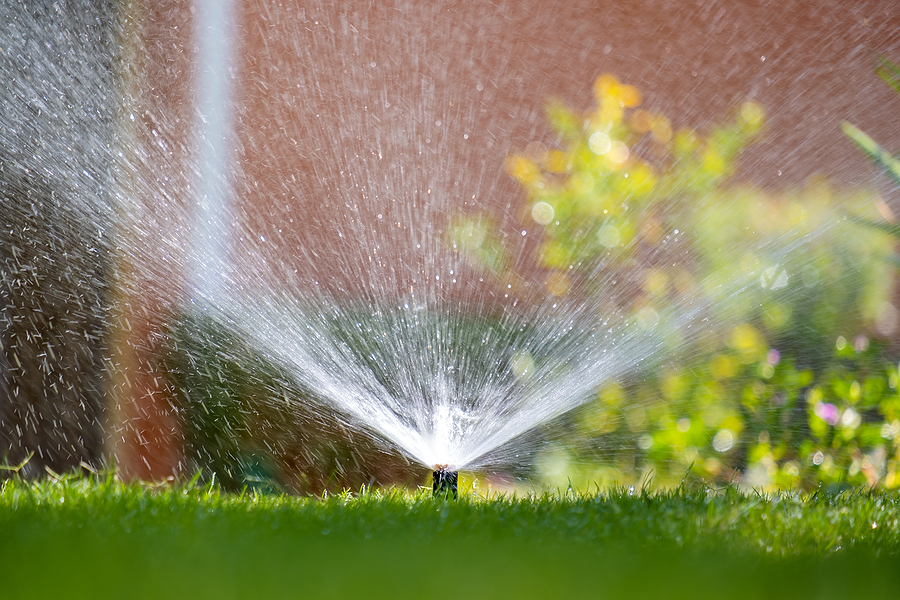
(889, 164)
(889, 73)
(474, 237)
(18, 467)
(566, 124)
(892, 229)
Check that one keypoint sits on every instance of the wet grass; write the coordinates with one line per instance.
(99, 538)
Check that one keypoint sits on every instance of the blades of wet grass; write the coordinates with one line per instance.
(97, 538)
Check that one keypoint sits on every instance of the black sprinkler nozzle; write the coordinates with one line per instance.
(444, 482)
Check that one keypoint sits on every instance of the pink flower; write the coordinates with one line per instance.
(827, 412)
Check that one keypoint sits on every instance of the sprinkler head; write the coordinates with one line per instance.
(444, 481)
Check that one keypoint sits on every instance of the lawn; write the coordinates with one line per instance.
(99, 538)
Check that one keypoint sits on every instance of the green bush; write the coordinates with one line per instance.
(246, 423)
(768, 397)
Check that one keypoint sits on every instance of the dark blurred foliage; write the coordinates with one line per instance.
(246, 424)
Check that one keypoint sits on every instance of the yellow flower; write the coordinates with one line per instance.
(557, 162)
(522, 168)
(613, 98)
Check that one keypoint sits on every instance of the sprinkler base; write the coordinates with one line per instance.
(444, 482)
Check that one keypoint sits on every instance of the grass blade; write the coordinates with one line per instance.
(870, 147)
(18, 467)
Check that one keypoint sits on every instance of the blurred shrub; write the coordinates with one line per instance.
(764, 397)
(598, 196)
(246, 424)
(765, 423)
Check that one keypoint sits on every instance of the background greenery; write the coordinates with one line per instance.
(797, 385)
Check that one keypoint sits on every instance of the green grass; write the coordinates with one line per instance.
(98, 538)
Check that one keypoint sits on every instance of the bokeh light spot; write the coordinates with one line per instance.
(752, 114)
(609, 236)
(542, 213)
(522, 364)
(774, 278)
(724, 440)
(618, 153)
(599, 143)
